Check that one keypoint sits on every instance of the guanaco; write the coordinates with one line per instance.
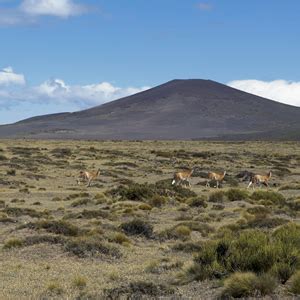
(87, 176)
(215, 176)
(260, 179)
(184, 176)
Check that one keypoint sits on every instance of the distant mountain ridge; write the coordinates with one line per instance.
(178, 109)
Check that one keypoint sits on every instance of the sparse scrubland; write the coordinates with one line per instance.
(133, 234)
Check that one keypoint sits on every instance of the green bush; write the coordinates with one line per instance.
(137, 227)
(157, 201)
(295, 283)
(236, 195)
(273, 197)
(90, 246)
(13, 243)
(79, 282)
(197, 202)
(218, 197)
(249, 251)
(80, 202)
(58, 227)
(240, 285)
(119, 238)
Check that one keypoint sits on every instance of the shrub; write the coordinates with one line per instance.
(197, 202)
(265, 284)
(137, 192)
(249, 251)
(163, 186)
(11, 172)
(58, 227)
(236, 195)
(87, 246)
(87, 214)
(218, 206)
(262, 221)
(3, 157)
(79, 282)
(13, 243)
(56, 199)
(17, 212)
(259, 210)
(217, 197)
(274, 197)
(119, 238)
(283, 271)
(138, 290)
(295, 283)
(203, 228)
(137, 227)
(55, 288)
(182, 231)
(61, 152)
(157, 201)
(145, 206)
(240, 285)
(79, 202)
(187, 247)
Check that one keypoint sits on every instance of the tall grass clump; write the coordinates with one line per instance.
(268, 197)
(250, 250)
(295, 283)
(239, 285)
(236, 195)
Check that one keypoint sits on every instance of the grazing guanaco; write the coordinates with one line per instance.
(184, 176)
(87, 176)
(215, 176)
(260, 179)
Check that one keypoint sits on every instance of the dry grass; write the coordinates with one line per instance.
(133, 234)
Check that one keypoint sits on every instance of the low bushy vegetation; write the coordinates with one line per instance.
(268, 197)
(236, 194)
(295, 283)
(57, 227)
(239, 285)
(90, 246)
(248, 251)
(137, 227)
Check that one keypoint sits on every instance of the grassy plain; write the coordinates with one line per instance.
(132, 234)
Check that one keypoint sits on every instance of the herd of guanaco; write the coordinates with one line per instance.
(182, 177)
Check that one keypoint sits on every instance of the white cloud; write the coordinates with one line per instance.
(279, 90)
(56, 91)
(9, 77)
(204, 6)
(59, 8)
(30, 11)
(84, 95)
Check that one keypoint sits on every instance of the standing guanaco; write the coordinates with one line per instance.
(184, 176)
(215, 176)
(87, 176)
(260, 179)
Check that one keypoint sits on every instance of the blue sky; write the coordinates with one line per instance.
(59, 55)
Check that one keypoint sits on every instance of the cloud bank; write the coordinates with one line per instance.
(19, 100)
(279, 90)
(14, 91)
(204, 6)
(58, 8)
(30, 11)
(8, 77)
